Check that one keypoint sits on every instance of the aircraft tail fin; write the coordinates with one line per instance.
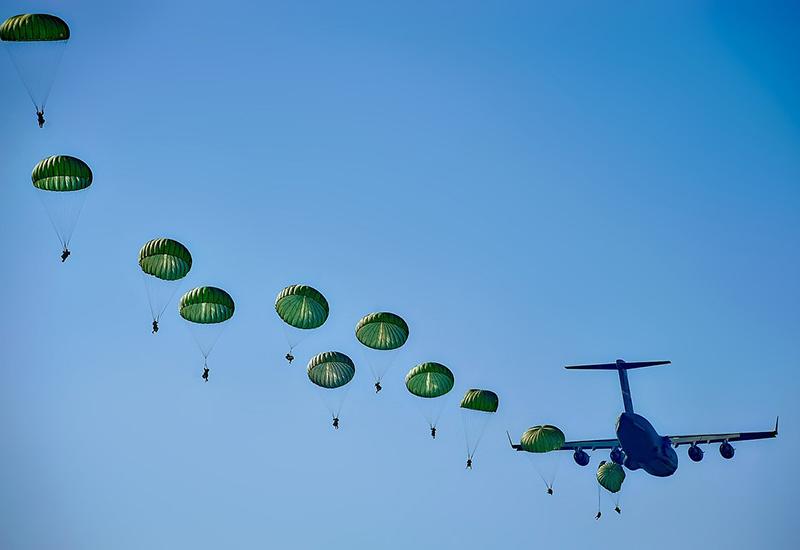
(622, 369)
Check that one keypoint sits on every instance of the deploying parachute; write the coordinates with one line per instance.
(429, 381)
(301, 308)
(206, 308)
(542, 441)
(163, 263)
(383, 332)
(477, 408)
(62, 183)
(610, 476)
(332, 371)
(36, 43)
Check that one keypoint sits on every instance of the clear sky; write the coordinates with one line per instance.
(528, 185)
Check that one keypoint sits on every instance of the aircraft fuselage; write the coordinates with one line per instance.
(644, 448)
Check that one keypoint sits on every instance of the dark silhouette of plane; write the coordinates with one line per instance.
(638, 445)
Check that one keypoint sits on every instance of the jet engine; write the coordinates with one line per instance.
(695, 453)
(617, 456)
(581, 457)
(726, 450)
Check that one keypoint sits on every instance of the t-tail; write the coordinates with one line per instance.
(622, 369)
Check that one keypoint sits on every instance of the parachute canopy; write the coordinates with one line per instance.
(61, 173)
(542, 439)
(610, 476)
(480, 400)
(382, 331)
(331, 369)
(165, 259)
(33, 27)
(302, 306)
(430, 380)
(206, 305)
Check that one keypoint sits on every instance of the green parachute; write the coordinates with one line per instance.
(206, 308)
(165, 259)
(430, 381)
(384, 333)
(301, 308)
(163, 262)
(542, 439)
(62, 182)
(477, 409)
(33, 27)
(480, 400)
(206, 305)
(610, 476)
(36, 43)
(331, 371)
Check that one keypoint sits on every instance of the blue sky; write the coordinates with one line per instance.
(528, 185)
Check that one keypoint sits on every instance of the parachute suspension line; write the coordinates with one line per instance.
(205, 352)
(341, 400)
(52, 221)
(466, 436)
(46, 91)
(480, 436)
(471, 450)
(167, 303)
(438, 413)
(67, 210)
(546, 484)
(555, 473)
(374, 373)
(293, 339)
(71, 230)
(380, 362)
(598, 502)
(49, 87)
(615, 498)
(149, 298)
(20, 74)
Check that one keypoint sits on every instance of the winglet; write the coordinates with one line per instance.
(515, 447)
(775, 431)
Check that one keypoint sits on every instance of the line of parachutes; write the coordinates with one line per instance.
(36, 43)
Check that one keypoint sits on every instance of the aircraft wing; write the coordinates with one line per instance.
(590, 444)
(719, 438)
(587, 444)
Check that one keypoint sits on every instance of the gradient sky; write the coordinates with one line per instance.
(529, 186)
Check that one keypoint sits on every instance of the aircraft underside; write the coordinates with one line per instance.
(644, 448)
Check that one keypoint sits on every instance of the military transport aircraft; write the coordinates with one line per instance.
(638, 445)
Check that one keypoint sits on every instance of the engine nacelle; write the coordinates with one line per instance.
(617, 456)
(695, 453)
(726, 450)
(581, 457)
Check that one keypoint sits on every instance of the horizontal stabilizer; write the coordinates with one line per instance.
(619, 365)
